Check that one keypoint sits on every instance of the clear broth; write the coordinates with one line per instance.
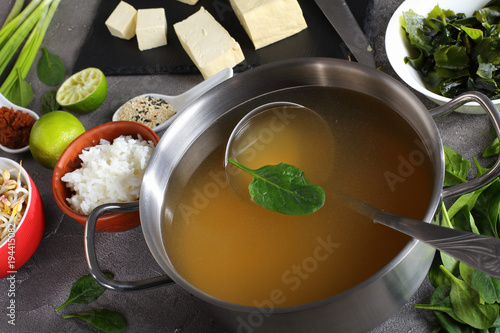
(237, 251)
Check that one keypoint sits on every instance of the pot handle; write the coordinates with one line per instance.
(494, 115)
(91, 257)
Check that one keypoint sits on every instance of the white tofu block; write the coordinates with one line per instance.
(151, 29)
(189, 2)
(121, 23)
(269, 21)
(208, 44)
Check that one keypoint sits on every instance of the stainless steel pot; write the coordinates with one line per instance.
(207, 123)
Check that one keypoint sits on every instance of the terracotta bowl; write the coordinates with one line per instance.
(70, 160)
(21, 244)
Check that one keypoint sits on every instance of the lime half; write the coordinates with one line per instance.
(84, 91)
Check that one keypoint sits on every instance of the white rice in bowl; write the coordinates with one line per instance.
(109, 172)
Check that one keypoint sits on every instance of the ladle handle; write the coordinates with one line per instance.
(494, 115)
(477, 251)
(91, 257)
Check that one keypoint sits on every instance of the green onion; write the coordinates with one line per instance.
(9, 28)
(35, 18)
(16, 9)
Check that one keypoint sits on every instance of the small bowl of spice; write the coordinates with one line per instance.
(15, 126)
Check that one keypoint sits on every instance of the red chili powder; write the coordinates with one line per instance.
(15, 127)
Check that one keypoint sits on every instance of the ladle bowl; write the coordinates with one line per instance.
(245, 143)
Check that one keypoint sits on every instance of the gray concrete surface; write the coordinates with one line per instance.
(44, 281)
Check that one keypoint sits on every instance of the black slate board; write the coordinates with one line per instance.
(115, 56)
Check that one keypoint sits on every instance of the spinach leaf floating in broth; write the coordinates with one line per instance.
(283, 188)
(456, 53)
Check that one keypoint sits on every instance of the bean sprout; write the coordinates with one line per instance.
(13, 202)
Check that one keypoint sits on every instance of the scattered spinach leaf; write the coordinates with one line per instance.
(466, 273)
(436, 275)
(493, 149)
(50, 68)
(449, 262)
(440, 301)
(487, 286)
(106, 320)
(283, 188)
(465, 221)
(84, 291)
(456, 167)
(486, 210)
(21, 92)
(49, 102)
(466, 305)
(480, 170)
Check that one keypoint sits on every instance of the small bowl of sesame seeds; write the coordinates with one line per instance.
(158, 111)
(150, 110)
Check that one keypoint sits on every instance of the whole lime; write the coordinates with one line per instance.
(51, 134)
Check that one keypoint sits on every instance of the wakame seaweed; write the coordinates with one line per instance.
(455, 53)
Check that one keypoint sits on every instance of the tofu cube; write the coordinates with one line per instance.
(269, 21)
(121, 23)
(207, 43)
(189, 2)
(151, 29)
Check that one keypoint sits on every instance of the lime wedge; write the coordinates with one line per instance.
(84, 91)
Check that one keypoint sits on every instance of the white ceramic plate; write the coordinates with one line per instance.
(398, 47)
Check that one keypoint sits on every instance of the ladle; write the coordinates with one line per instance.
(180, 102)
(479, 252)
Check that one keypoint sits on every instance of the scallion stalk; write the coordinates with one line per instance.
(11, 26)
(16, 9)
(13, 43)
(28, 53)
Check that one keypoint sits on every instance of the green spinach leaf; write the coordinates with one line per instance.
(50, 68)
(106, 320)
(464, 220)
(436, 275)
(449, 262)
(84, 291)
(466, 305)
(49, 102)
(456, 167)
(487, 286)
(440, 301)
(21, 92)
(466, 273)
(480, 169)
(493, 149)
(452, 326)
(283, 188)
(486, 210)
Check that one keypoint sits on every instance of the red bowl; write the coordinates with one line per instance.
(70, 160)
(21, 244)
